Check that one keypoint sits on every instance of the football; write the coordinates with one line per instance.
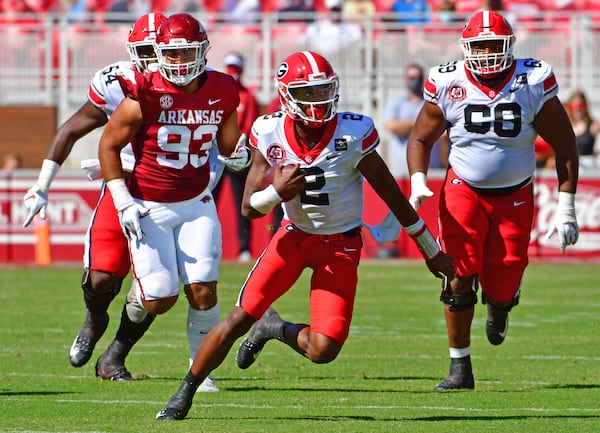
(270, 174)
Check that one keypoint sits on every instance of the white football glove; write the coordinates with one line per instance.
(386, 231)
(130, 221)
(35, 201)
(418, 190)
(565, 222)
(241, 158)
(130, 213)
(36, 198)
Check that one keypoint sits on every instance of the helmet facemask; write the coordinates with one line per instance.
(140, 41)
(142, 54)
(487, 42)
(181, 61)
(486, 64)
(314, 104)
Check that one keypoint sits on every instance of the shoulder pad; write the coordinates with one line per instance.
(537, 71)
(267, 123)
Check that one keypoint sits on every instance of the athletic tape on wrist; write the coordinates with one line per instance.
(264, 201)
(47, 174)
(566, 206)
(424, 239)
(120, 194)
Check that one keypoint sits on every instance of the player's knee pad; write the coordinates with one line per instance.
(98, 296)
(514, 302)
(459, 301)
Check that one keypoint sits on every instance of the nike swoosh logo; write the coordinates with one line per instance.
(213, 101)
(335, 155)
(350, 250)
(518, 203)
(514, 89)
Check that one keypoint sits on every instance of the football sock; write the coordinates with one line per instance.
(460, 352)
(130, 332)
(199, 323)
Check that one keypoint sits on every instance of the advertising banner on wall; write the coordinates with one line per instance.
(72, 199)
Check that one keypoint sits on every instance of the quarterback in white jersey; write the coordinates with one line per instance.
(493, 107)
(333, 194)
(320, 158)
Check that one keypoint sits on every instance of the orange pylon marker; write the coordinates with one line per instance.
(42, 241)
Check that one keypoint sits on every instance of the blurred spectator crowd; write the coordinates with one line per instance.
(418, 10)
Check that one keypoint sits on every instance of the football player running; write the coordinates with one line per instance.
(106, 258)
(331, 154)
(493, 107)
(165, 207)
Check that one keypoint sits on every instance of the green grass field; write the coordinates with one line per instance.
(544, 378)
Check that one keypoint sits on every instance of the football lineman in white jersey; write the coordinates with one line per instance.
(493, 107)
(326, 155)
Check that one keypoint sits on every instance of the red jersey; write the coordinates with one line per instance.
(171, 149)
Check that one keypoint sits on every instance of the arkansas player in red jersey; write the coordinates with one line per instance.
(172, 117)
(493, 106)
(328, 156)
(106, 257)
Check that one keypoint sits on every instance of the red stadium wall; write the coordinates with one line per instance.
(73, 197)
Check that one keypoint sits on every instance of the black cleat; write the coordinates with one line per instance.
(83, 346)
(496, 325)
(460, 377)
(111, 368)
(267, 328)
(179, 404)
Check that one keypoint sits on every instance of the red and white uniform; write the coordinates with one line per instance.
(171, 179)
(105, 246)
(487, 193)
(321, 226)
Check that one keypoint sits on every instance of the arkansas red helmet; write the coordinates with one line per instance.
(308, 88)
(139, 42)
(487, 26)
(181, 45)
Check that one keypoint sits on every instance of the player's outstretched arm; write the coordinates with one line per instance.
(554, 126)
(81, 123)
(379, 177)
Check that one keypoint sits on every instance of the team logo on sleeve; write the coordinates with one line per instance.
(166, 102)
(275, 152)
(457, 93)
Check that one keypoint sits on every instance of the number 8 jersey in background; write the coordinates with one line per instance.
(332, 198)
(491, 128)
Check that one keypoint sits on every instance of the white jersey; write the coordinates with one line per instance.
(106, 94)
(105, 91)
(491, 129)
(332, 201)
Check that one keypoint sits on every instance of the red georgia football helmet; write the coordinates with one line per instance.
(308, 88)
(139, 42)
(487, 26)
(181, 45)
